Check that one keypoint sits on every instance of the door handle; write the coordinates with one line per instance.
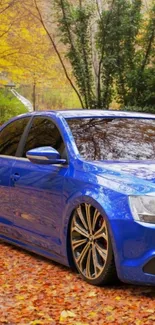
(15, 177)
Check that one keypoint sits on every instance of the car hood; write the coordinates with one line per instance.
(135, 177)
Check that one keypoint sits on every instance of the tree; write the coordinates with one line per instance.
(131, 41)
(26, 55)
(110, 46)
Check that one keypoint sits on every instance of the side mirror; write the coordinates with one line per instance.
(45, 156)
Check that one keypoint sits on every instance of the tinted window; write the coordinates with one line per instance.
(114, 139)
(43, 133)
(10, 136)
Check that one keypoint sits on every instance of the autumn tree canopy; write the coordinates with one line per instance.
(26, 54)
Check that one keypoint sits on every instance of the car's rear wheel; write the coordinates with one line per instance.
(91, 246)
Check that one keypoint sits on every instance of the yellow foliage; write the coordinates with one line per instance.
(26, 54)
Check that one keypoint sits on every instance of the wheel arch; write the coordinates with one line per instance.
(99, 202)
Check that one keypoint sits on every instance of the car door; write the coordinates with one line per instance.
(10, 137)
(37, 190)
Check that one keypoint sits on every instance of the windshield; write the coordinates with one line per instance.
(114, 138)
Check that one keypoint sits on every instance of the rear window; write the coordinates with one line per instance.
(115, 138)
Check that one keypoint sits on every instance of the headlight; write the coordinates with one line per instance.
(143, 208)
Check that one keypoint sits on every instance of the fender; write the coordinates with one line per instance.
(96, 199)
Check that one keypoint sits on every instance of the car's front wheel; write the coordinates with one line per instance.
(91, 246)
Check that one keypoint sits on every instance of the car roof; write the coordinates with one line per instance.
(93, 113)
(86, 113)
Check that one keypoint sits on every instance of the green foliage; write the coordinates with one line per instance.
(117, 41)
(131, 53)
(124, 49)
(9, 106)
(144, 109)
(75, 33)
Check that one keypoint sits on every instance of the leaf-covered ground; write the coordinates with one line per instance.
(36, 291)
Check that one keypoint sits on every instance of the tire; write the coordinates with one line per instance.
(91, 246)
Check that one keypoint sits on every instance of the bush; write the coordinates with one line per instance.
(9, 106)
(145, 109)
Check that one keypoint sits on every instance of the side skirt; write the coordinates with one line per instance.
(35, 249)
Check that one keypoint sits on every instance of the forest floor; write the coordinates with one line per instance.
(36, 291)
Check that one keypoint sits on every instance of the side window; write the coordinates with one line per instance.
(43, 133)
(10, 136)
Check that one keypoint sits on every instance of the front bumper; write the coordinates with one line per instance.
(134, 250)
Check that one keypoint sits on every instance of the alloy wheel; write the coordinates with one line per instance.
(89, 241)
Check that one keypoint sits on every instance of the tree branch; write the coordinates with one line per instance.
(98, 9)
(148, 50)
(58, 53)
(8, 6)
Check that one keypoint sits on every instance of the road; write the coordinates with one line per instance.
(35, 291)
(23, 100)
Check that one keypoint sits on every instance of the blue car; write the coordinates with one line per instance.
(78, 187)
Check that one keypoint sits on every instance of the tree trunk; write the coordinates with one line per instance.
(34, 96)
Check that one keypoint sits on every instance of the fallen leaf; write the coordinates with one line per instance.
(37, 322)
(65, 314)
(34, 291)
(118, 298)
(92, 294)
